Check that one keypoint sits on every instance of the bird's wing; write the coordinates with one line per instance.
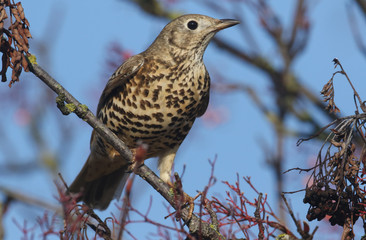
(119, 78)
(104, 173)
(205, 98)
(102, 153)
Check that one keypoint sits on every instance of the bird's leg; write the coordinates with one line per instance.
(165, 167)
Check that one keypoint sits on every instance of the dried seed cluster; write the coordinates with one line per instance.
(338, 177)
(14, 40)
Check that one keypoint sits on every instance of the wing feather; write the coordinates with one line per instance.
(127, 70)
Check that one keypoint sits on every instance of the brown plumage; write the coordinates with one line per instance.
(153, 97)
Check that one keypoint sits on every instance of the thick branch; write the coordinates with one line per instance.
(195, 225)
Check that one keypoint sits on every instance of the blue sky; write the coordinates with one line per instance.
(78, 54)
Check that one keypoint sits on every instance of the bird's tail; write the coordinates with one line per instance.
(99, 192)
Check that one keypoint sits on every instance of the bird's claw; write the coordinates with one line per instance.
(183, 199)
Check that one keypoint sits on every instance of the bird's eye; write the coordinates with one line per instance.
(192, 25)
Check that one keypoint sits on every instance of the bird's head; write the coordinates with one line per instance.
(190, 33)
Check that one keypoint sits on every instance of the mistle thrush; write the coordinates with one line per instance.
(154, 97)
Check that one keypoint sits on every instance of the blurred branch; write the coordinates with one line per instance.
(155, 8)
(195, 224)
(2, 232)
(13, 195)
(362, 5)
(354, 25)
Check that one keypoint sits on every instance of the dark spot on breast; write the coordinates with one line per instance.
(128, 120)
(181, 92)
(158, 116)
(109, 105)
(156, 126)
(130, 114)
(147, 103)
(158, 132)
(142, 105)
(111, 114)
(122, 127)
(146, 92)
(189, 106)
(155, 94)
(119, 110)
(138, 124)
(186, 127)
(123, 121)
(190, 92)
(135, 130)
(143, 117)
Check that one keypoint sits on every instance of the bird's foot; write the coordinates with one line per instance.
(182, 198)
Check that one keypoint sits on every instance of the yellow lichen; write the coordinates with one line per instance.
(70, 107)
(32, 59)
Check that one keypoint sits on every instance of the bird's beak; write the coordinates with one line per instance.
(226, 23)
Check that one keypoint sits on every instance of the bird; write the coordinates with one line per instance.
(153, 98)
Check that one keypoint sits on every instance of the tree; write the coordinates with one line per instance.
(291, 99)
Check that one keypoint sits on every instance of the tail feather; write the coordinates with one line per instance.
(98, 193)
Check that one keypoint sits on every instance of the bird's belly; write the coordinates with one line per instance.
(161, 123)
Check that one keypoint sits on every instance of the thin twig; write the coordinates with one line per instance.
(258, 216)
(303, 234)
(338, 63)
(125, 206)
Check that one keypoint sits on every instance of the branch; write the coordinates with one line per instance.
(13, 195)
(196, 225)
